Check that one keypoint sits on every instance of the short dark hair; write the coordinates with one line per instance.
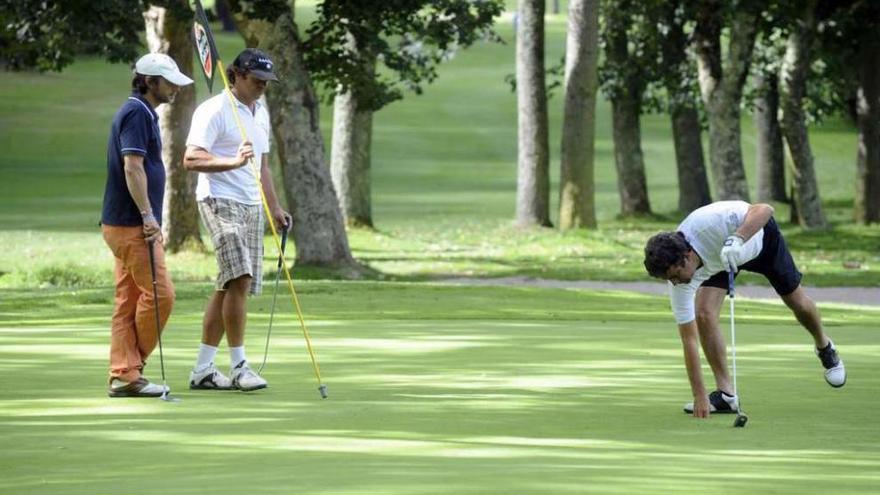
(231, 71)
(140, 82)
(665, 250)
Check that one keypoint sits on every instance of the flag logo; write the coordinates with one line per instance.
(203, 48)
(204, 44)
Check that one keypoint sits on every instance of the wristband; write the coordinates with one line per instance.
(147, 216)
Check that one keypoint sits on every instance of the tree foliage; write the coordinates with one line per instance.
(49, 34)
(409, 37)
(634, 27)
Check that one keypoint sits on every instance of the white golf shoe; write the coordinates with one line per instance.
(719, 403)
(209, 378)
(245, 379)
(835, 373)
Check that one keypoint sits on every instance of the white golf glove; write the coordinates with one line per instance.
(731, 251)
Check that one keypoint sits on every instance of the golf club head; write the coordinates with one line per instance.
(323, 389)
(168, 398)
(740, 421)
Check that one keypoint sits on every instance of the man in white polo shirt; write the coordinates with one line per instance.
(231, 208)
(696, 259)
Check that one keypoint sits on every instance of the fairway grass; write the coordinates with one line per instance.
(436, 389)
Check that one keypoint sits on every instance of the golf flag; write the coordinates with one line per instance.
(203, 42)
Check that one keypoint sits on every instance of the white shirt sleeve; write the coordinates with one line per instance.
(205, 127)
(681, 297)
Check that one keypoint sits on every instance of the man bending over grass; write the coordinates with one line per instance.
(695, 260)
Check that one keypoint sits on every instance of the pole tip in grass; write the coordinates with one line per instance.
(323, 390)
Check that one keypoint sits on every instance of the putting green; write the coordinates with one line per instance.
(435, 390)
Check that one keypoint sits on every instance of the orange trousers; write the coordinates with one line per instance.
(133, 335)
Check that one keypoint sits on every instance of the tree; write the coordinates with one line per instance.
(49, 34)
(629, 39)
(410, 38)
(795, 67)
(168, 31)
(770, 159)
(350, 159)
(867, 204)
(722, 76)
(678, 74)
(576, 180)
(318, 229)
(533, 176)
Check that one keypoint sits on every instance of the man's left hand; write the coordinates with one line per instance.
(731, 251)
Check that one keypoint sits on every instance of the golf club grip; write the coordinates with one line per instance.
(152, 260)
(731, 277)
(283, 244)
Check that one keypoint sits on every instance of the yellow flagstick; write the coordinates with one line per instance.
(321, 387)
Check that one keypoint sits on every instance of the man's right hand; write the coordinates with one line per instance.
(701, 407)
(152, 230)
(245, 152)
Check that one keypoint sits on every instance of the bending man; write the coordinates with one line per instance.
(695, 260)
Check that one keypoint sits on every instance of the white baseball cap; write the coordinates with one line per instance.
(159, 64)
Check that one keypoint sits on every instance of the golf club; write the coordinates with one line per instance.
(741, 418)
(284, 229)
(164, 396)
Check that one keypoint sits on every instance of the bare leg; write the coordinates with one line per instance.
(807, 314)
(235, 310)
(212, 324)
(708, 307)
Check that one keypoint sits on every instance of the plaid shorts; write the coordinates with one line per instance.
(237, 234)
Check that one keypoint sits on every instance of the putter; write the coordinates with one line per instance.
(164, 396)
(741, 418)
(274, 296)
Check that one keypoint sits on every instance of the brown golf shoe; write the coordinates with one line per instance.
(138, 388)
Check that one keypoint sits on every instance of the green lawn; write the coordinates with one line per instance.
(436, 390)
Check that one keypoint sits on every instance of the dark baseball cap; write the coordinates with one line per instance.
(257, 63)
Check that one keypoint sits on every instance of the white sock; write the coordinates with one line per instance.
(207, 354)
(236, 355)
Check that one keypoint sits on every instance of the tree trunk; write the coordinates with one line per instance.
(867, 200)
(318, 229)
(577, 201)
(350, 158)
(631, 183)
(533, 178)
(693, 184)
(626, 124)
(721, 82)
(166, 33)
(793, 83)
(770, 152)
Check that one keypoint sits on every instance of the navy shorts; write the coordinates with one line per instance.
(774, 262)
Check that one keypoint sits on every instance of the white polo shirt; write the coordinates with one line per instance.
(706, 229)
(214, 129)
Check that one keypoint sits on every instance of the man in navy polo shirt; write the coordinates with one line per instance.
(131, 218)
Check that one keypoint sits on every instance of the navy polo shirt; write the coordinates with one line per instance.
(135, 131)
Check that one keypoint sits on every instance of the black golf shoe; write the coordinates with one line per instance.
(835, 373)
(719, 403)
